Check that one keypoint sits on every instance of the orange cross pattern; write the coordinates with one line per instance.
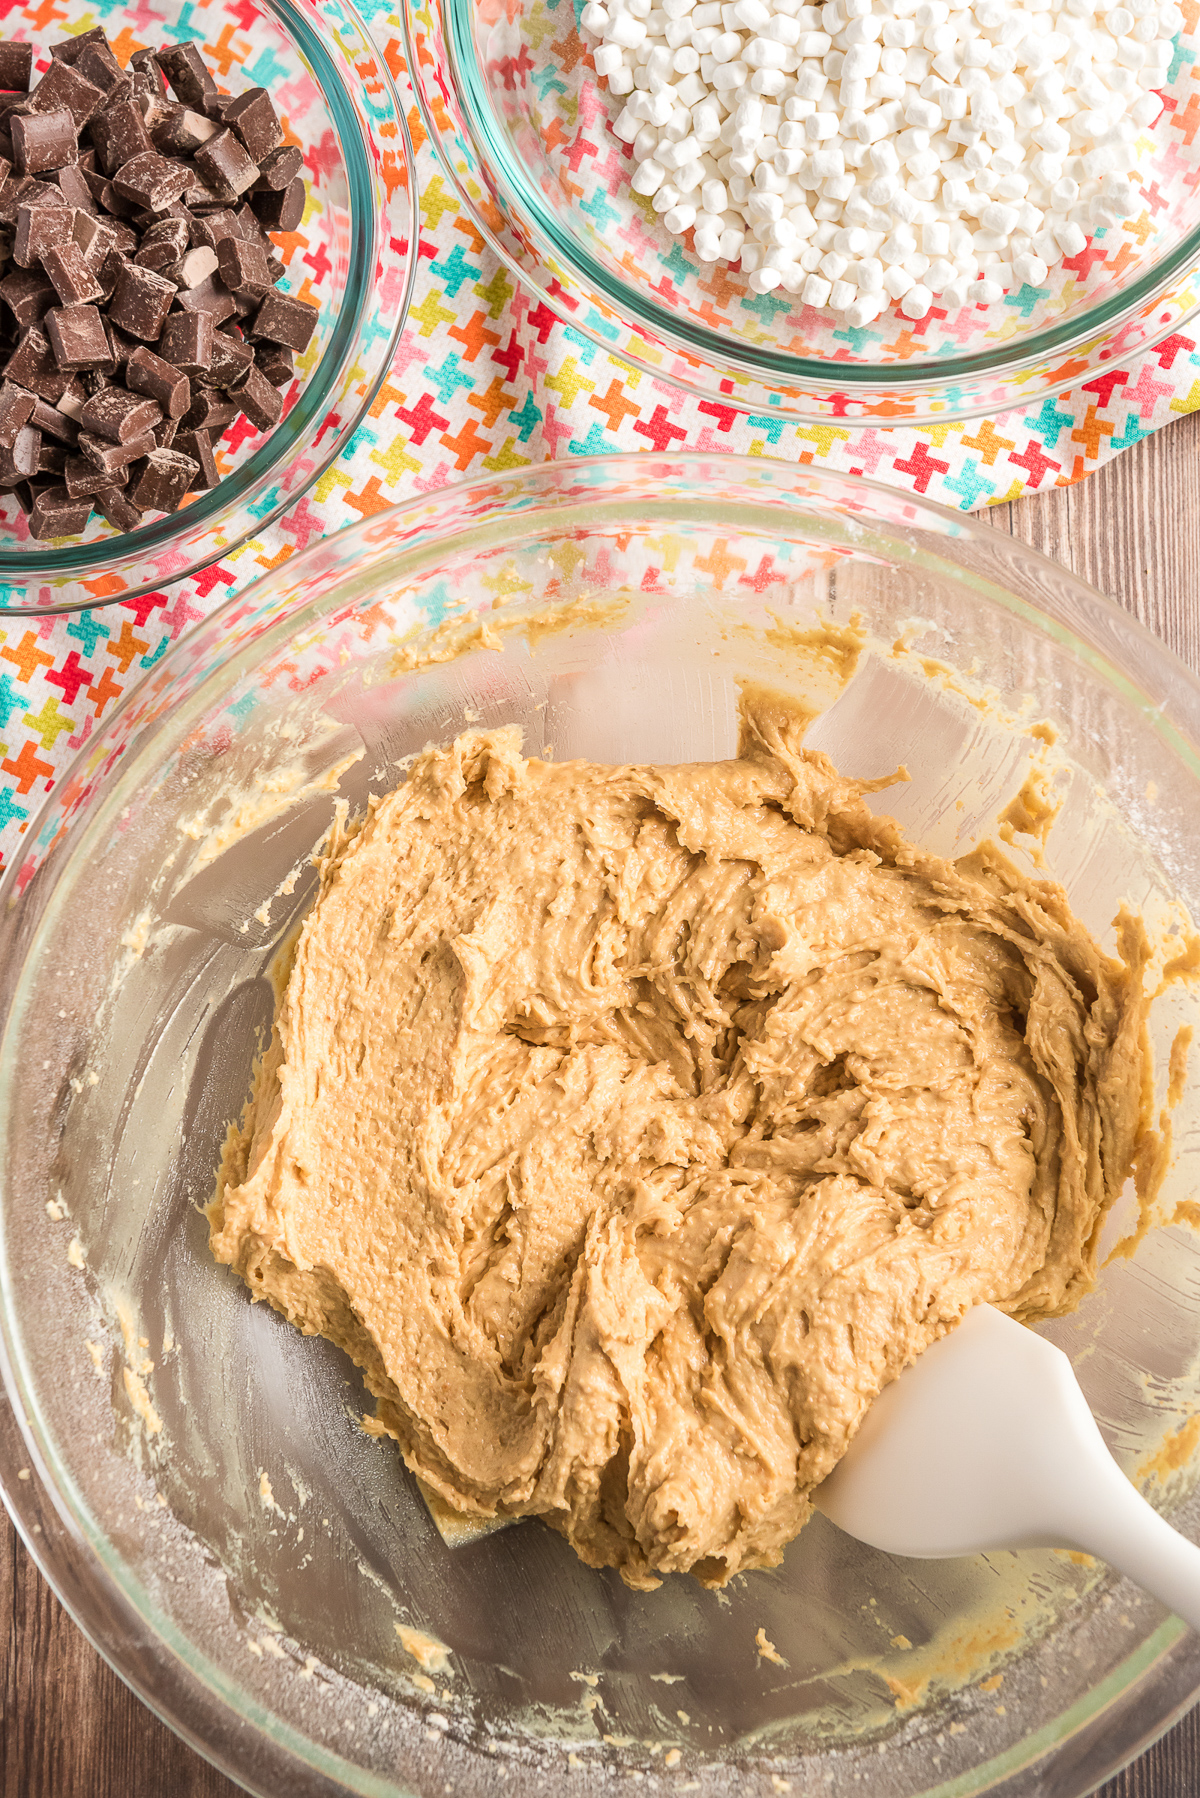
(614, 405)
(492, 403)
(221, 52)
(719, 562)
(988, 443)
(473, 335)
(27, 657)
(26, 767)
(126, 646)
(466, 446)
(105, 689)
(370, 499)
(1091, 432)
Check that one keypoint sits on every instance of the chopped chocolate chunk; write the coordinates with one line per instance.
(216, 225)
(38, 228)
(71, 403)
(186, 342)
(209, 412)
(119, 416)
(70, 49)
(28, 295)
(63, 85)
(113, 458)
(52, 459)
(182, 133)
(162, 481)
(280, 211)
(72, 275)
(75, 190)
(16, 409)
(16, 66)
(146, 62)
(45, 140)
(197, 445)
(32, 365)
(164, 433)
(276, 362)
(224, 164)
(118, 135)
(231, 360)
(197, 265)
(170, 231)
(284, 319)
(208, 295)
(114, 504)
(98, 64)
(19, 460)
(55, 514)
(243, 266)
(77, 337)
(160, 257)
(279, 169)
(262, 403)
(256, 123)
(51, 421)
(84, 478)
(109, 270)
(187, 72)
(162, 381)
(151, 180)
(95, 380)
(141, 300)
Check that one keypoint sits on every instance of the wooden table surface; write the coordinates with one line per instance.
(70, 1729)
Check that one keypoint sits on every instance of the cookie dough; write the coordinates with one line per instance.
(631, 1127)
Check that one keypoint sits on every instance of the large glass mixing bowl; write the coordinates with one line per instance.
(197, 1485)
(510, 96)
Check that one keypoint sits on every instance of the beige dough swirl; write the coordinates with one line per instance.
(632, 1127)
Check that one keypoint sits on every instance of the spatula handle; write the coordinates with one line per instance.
(1116, 1524)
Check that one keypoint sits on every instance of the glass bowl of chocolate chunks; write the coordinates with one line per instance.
(206, 258)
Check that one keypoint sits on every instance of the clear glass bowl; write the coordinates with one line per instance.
(201, 1494)
(353, 254)
(511, 99)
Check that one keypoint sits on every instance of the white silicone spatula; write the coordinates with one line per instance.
(987, 1442)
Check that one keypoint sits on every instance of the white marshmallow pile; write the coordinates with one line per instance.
(865, 152)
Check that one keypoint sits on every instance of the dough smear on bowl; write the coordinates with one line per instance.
(632, 1127)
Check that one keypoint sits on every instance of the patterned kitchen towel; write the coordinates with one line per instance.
(486, 379)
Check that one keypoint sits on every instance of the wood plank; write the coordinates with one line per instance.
(70, 1729)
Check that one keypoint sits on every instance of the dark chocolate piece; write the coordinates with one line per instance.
(225, 166)
(118, 135)
(198, 446)
(27, 294)
(114, 458)
(149, 374)
(84, 478)
(164, 433)
(16, 66)
(187, 340)
(284, 319)
(75, 190)
(163, 481)
(63, 85)
(98, 65)
(55, 514)
(231, 360)
(114, 504)
(52, 459)
(209, 412)
(279, 169)
(276, 362)
(45, 140)
(243, 266)
(209, 295)
(216, 225)
(199, 263)
(141, 300)
(72, 275)
(280, 211)
(32, 365)
(38, 229)
(183, 131)
(187, 72)
(19, 459)
(70, 49)
(52, 422)
(262, 403)
(119, 416)
(151, 180)
(256, 122)
(16, 409)
(77, 337)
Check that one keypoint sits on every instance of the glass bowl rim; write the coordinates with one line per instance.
(705, 349)
(196, 1683)
(236, 491)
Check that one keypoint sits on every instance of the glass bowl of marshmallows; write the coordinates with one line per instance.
(873, 209)
(156, 294)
